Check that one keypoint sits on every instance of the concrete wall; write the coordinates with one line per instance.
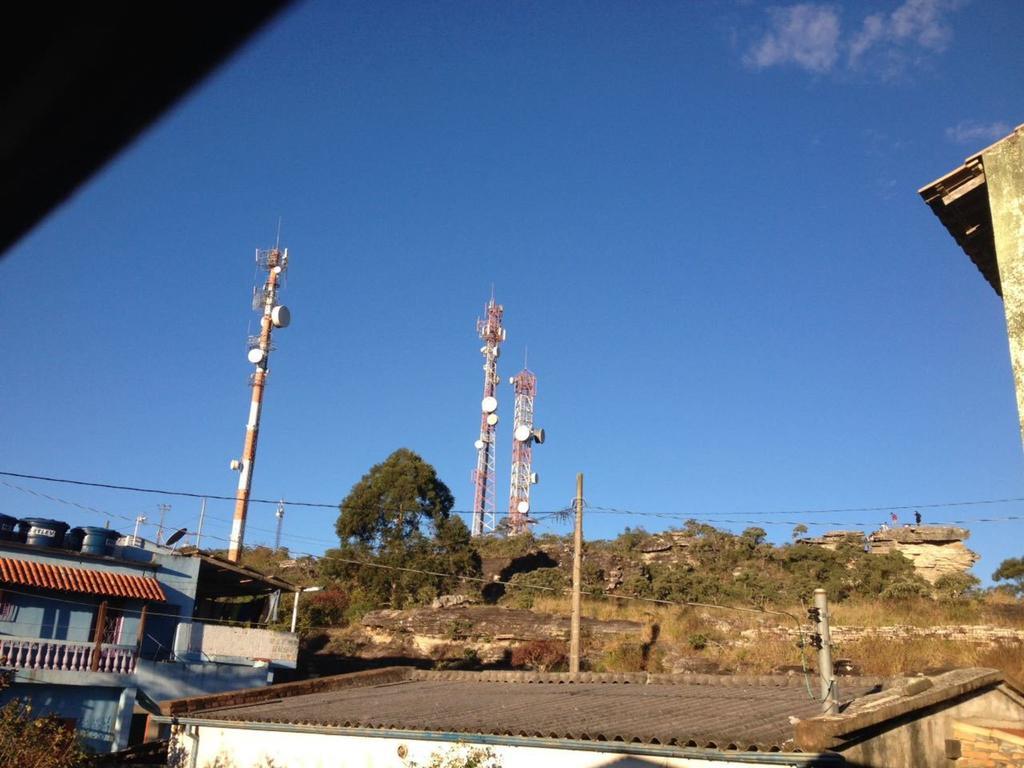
(161, 681)
(919, 739)
(235, 748)
(217, 642)
(94, 710)
(1004, 176)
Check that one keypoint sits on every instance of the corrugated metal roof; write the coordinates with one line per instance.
(733, 713)
(82, 580)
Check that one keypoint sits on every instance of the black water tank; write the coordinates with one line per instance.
(43, 532)
(99, 541)
(73, 539)
(8, 528)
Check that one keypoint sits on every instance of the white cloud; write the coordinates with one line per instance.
(806, 35)
(895, 39)
(972, 132)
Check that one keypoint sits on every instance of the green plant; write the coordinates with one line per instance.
(29, 741)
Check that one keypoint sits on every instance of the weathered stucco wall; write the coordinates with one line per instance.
(1004, 176)
(919, 740)
(235, 748)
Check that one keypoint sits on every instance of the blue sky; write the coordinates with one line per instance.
(701, 218)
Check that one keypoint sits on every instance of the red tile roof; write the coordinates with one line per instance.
(84, 580)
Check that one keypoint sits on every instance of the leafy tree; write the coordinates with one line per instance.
(1012, 571)
(956, 586)
(799, 530)
(399, 542)
(392, 500)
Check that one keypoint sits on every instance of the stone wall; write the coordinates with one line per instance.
(981, 743)
(977, 634)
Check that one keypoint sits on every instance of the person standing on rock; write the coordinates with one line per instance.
(917, 518)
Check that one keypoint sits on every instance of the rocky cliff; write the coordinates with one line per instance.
(488, 632)
(933, 549)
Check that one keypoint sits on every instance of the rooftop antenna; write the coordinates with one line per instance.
(272, 315)
(492, 334)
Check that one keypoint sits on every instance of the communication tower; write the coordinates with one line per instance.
(492, 334)
(524, 435)
(279, 514)
(274, 262)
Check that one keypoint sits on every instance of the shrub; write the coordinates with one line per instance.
(625, 656)
(39, 742)
(524, 588)
(541, 655)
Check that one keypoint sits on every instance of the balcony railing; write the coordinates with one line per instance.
(26, 653)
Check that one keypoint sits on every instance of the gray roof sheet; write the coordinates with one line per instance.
(697, 711)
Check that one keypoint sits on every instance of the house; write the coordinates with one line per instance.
(402, 717)
(96, 636)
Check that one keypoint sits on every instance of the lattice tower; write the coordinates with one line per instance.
(492, 334)
(523, 436)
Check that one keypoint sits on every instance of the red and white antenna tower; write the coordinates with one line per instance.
(492, 334)
(524, 435)
(273, 315)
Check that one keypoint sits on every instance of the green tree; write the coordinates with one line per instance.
(392, 501)
(799, 530)
(1012, 571)
(399, 542)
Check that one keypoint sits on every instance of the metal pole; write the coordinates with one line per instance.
(135, 535)
(829, 694)
(295, 611)
(577, 574)
(202, 516)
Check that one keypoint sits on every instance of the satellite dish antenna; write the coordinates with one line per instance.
(538, 436)
(492, 419)
(175, 537)
(522, 433)
(280, 316)
(523, 507)
(478, 444)
(489, 404)
(255, 355)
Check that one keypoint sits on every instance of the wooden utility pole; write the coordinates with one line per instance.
(577, 578)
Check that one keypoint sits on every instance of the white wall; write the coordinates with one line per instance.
(244, 748)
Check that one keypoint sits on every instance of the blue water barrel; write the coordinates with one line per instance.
(99, 541)
(42, 532)
(73, 539)
(8, 528)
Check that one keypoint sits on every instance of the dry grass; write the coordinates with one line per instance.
(710, 635)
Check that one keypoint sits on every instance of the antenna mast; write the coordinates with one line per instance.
(523, 437)
(279, 514)
(273, 315)
(492, 334)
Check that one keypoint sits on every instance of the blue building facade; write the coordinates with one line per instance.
(97, 640)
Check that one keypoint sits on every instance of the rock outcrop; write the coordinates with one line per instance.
(488, 632)
(935, 550)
